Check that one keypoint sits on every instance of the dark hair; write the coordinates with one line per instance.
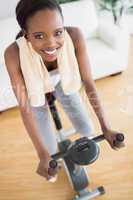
(27, 8)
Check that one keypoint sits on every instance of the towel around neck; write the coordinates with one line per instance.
(36, 75)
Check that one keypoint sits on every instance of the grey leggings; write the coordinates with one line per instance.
(76, 111)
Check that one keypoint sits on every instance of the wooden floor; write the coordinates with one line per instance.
(113, 169)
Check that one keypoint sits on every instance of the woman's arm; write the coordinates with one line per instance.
(90, 88)
(18, 85)
(85, 72)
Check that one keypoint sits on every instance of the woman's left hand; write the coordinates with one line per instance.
(110, 136)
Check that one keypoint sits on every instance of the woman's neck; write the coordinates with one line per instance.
(51, 65)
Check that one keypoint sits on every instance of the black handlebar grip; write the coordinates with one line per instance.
(52, 167)
(53, 164)
(119, 139)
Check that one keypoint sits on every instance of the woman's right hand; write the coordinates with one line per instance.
(43, 167)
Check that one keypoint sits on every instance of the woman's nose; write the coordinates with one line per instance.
(50, 42)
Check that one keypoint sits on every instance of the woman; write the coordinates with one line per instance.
(43, 49)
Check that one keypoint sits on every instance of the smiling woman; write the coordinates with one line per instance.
(44, 44)
(46, 38)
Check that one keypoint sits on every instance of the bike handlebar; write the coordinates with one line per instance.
(117, 142)
(119, 138)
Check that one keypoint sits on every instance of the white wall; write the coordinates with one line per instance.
(7, 8)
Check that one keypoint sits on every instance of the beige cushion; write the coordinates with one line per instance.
(81, 14)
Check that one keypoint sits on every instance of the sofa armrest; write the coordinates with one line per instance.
(116, 37)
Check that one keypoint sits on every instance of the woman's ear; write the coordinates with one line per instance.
(25, 34)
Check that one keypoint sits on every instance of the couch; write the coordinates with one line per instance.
(108, 45)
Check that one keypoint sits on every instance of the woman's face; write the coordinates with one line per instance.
(45, 31)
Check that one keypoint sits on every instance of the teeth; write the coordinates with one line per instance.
(50, 52)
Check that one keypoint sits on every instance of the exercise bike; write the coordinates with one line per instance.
(77, 154)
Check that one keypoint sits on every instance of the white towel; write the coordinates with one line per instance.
(36, 75)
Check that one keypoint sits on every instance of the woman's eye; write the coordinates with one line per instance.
(59, 33)
(39, 36)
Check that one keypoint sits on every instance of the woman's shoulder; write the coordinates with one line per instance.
(75, 34)
(12, 50)
(11, 54)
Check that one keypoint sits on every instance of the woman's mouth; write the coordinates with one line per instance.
(51, 52)
(50, 55)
